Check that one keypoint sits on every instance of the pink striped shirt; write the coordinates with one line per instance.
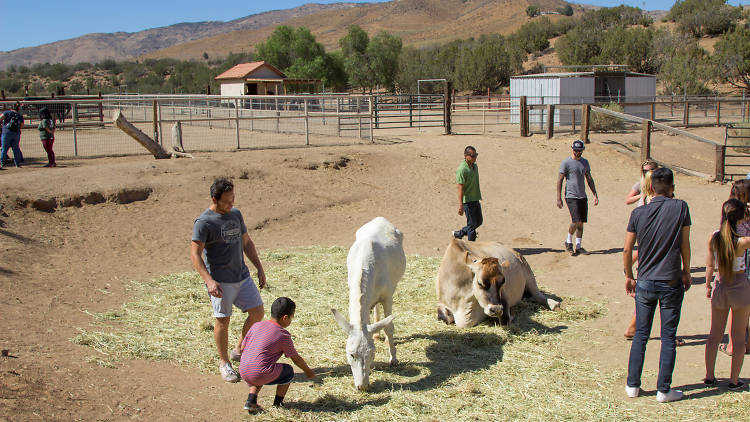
(261, 348)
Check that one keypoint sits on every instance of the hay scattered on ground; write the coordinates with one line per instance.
(484, 373)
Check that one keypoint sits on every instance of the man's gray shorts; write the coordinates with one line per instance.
(244, 295)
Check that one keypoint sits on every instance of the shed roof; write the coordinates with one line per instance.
(243, 70)
(578, 75)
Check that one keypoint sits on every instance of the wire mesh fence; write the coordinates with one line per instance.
(84, 127)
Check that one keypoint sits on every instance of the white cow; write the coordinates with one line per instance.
(376, 262)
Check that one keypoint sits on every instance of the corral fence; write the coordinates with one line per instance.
(501, 113)
(84, 125)
(736, 151)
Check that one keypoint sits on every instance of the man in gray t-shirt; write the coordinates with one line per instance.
(575, 169)
(219, 244)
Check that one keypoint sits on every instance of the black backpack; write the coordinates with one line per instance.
(13, 122)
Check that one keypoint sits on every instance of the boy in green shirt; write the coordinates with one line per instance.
(469, 195)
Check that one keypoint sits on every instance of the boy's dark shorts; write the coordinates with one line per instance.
(579, 209)
(287, 375)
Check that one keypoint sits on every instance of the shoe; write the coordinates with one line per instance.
(581, 251)
(632, 392)
(709, 382)
(228, 373)
(671, 395)
(569, 247)
(457, 234)
(252, 408)
(235, 355)
(740, 386)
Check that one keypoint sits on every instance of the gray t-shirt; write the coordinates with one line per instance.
(658, 227)
(223, 253)
(575, 177)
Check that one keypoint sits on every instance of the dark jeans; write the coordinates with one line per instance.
(473, 213)
(648, 294)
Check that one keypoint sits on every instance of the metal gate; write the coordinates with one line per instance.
(408, 111)
(736, 151)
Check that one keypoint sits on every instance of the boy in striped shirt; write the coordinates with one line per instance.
(261, 349)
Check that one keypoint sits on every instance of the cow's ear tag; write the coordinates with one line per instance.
(505, 265)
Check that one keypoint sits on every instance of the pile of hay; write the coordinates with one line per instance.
(483, 373)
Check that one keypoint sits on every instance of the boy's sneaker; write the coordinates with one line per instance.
(671, 395)
(632, 392)
(569, 247)
(228, 373)
(457, 234)
(235, 355)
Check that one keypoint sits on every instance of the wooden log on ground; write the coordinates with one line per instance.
(139, 136)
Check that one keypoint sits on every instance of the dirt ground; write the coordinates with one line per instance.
(130, 218)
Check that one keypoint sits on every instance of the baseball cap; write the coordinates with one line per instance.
(578, 144)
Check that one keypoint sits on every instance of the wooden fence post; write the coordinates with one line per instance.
(718, 113)
(646, 140)
(446, 107)
(155, 122)
(522, 116)
(550, 121)
(720, 157)
(653, 111)
(585, 115)
(686, 114)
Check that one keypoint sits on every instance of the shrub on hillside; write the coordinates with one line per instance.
(601, 122)
(704, 17)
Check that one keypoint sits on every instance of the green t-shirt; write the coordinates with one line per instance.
(45, 124)
(469, 177)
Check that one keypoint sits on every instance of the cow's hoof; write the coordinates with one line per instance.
(553, 304)
(393, 362)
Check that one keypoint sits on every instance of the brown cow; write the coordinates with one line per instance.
(478, 280)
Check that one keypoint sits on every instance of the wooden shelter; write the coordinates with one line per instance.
(258, 78)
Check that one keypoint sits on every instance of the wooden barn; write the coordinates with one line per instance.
(595, 87)
(258, 78)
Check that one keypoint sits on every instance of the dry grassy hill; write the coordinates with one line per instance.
(417, 22)
(97, 47)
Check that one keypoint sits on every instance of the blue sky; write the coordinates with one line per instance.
(27, 24)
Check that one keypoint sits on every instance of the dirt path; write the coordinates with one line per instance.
(57, 266)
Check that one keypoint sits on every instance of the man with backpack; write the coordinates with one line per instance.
(12, 122)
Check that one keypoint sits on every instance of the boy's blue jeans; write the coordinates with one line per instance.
(473, 212)
(649, 294)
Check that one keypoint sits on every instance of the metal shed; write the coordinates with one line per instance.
(598, 86)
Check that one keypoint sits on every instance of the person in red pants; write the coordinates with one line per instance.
(47, 135)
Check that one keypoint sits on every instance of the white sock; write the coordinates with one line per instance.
(578, 243)
(570, 238)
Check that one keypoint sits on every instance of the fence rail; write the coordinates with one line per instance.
(84, 126)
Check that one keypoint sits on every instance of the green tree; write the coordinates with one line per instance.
(533, 11)
(704, 17)
(579, 46)
(630, 46)
(297, 53)
(382, 54)
(732, 58)
(354, 49)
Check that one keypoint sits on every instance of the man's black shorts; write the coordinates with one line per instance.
(579, 209)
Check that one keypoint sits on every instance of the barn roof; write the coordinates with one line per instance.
(243, 70)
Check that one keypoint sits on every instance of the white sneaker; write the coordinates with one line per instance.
(235, 355)
(671, 395)
(632, 392)
(228, 373)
